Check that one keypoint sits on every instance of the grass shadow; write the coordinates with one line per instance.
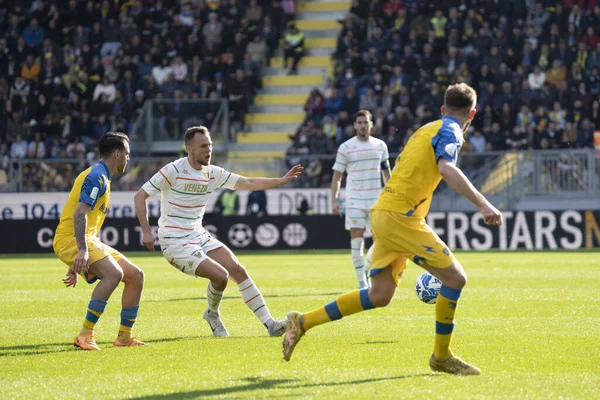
(269, 296)
(49, 348)
(258, 383)
(252, 383)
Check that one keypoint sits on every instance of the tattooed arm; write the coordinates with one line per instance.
(81, 262)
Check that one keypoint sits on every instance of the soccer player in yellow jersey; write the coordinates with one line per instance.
(401, 233)
(76, 243)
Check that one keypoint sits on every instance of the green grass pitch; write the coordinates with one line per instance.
(530, 321)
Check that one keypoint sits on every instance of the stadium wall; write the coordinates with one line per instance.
(533, 230)
(48, 205)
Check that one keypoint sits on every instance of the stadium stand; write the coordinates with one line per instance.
(71, 70)
(534, 65)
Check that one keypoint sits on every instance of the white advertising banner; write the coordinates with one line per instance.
(48, 205)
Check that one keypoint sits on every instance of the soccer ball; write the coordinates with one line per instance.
(427, 288)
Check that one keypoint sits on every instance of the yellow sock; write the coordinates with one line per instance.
(345, 305)
(445, 308)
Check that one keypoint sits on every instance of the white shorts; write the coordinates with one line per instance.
(358, 218)
(186, 254)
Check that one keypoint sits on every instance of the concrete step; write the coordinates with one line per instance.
(275, 127)
(276, 71)
(321, 51)
(279, 147)
(280, 99)
(277, 108)
(306, 61)
(274, 118)
(304, 89)
(292, 80)
(309, 24)
(323, 33)
(264, 137)
(323, 6)
(322, 15)
(316, 52)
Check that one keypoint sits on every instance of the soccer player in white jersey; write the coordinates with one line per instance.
(185, 186)
(366, 160)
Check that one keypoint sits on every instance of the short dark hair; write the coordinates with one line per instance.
(191, 132)
(110, 142)
(460, 98)
(363, 113)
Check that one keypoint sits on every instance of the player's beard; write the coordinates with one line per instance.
(205, 161)
(363, 133)
(122, 167)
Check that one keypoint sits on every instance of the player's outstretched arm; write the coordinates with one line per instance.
(82, 261)
(459, 182)
(245, 183)
(141, 209)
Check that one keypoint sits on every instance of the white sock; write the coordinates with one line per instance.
(358, 248)
(369, 258)
(214, 297)
(368, 262)
(255, 302)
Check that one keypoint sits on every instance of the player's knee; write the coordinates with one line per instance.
(138, 277)
(220, 279)
(238, 273)
(457, 280)
(219, 282)
(380, 298)
(460, 280)
(115, 276)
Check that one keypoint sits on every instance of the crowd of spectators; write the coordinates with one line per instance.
(71, 70)
(534, 65)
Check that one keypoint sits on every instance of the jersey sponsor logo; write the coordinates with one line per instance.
(195, 188)
(94, 193)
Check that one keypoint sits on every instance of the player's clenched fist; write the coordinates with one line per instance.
(491, 215)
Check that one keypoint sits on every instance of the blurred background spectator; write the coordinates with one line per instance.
(73, 70)
(534, 65)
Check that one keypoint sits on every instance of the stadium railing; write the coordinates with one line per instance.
(58, 175)
(504, 176)
(161, 123)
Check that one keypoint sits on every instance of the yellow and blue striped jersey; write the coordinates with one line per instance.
(92, 187)
(416, 174)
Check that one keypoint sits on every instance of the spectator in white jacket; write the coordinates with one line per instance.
(18, 148)
(161, 72)
(536, 78)
(179, 68)
(105, 88)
